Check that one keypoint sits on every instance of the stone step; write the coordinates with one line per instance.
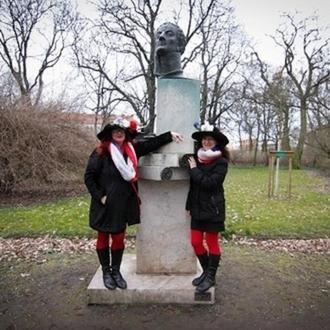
(147, 289)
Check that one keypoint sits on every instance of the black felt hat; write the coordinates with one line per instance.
(209, 130)
(130, 128)
(107, 131)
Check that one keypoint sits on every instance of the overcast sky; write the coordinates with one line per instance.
(262, 17)
(258, 18)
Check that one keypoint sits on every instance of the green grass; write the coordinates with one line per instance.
(66, 218)
(249, 211)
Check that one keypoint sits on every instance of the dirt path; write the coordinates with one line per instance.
(256, 290)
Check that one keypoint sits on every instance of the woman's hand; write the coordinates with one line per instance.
(103, 200)
(192, 162)
(177, 137)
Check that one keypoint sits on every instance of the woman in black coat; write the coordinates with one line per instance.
(206, 201)
(111, 178)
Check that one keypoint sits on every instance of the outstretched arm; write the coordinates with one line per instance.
(144, 147)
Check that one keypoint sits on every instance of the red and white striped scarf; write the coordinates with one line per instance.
(127, 170)
(208, 156)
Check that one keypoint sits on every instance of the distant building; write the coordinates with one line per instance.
(87, 120)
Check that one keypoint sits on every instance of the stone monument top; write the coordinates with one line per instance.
(170, 43)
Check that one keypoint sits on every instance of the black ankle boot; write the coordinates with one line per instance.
(104, 258)
(204, 261)
(118, 278)
(116, 258)
(209, 279)
(108, 280)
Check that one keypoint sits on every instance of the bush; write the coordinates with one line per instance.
(40, 146)
(245, 157)
(317, 149)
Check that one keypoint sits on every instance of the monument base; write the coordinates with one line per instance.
(145, 289)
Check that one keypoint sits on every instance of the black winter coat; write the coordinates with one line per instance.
(206, 201)
(103, 179)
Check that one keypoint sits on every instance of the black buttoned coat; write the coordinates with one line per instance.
(102, 178)
(206, 200)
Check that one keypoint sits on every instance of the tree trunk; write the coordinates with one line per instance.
(285, 143)
(152, 104)
(204, 98)
(264, 149)
(302, 133)
(256, 151)
(250, 140)
(240, 137)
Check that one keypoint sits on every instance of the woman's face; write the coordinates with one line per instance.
(118, 136)
(208, 142)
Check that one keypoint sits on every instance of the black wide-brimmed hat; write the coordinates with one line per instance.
(130, 128)
(210, 130)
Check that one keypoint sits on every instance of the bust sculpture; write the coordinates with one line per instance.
(170, 43)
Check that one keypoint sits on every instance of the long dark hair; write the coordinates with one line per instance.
(225, 153)
(102, 148)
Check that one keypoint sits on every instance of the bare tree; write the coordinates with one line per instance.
(8, 88)
(320, 106)
(277, 92)
(319, 121)
(102, 100)
(32, 40)
(221, 49)
(307, 72)
(125, 31)
(255, 98)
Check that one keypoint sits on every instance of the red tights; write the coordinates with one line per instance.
(117, 241)
(212, 242)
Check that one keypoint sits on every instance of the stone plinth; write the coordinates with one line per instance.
(144, 289)
(177, 110)
(163, 240)
(177, 107)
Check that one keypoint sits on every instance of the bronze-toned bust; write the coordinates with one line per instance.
(170, 44)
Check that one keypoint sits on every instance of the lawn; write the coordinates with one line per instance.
(249, 211)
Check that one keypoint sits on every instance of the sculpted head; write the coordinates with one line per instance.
(170, 38)
(170, 43)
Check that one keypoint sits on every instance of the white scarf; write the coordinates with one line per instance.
(208, 156)
(127, 170)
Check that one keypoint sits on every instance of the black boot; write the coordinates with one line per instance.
(116, 257)
(211, 271)
(204, 261)
(104, 257)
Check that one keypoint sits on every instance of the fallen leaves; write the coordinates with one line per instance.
(321, 246)
(37, 249)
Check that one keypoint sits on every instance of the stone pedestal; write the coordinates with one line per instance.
(147, 289)
(178, 103)
(163, 244)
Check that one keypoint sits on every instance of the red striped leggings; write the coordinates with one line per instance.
(204, 242)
